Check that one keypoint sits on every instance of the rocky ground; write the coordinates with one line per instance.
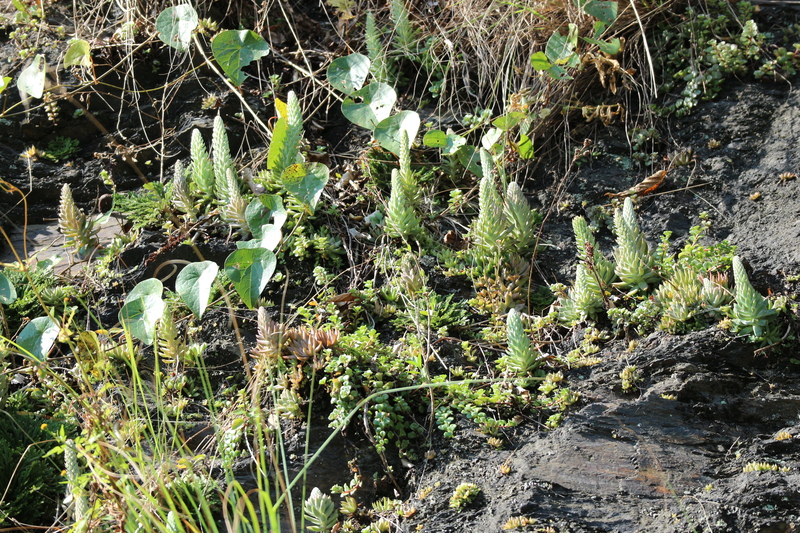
(667, 457)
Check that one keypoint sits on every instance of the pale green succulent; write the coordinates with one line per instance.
(584, 299)
(585, 241)
(521, 357)
(634, 261)
(752, 314)
(490, 227)
(402, 219)
(522, 220)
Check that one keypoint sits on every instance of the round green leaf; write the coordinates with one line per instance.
(448, 142)
(539, 61)
(8, 294)
(234, 50)
(560, 49)
(509, 120)
(388, 132)
(269, 236)
(142, 310)
(38, 337)
(250, 270)
(4, 81)
(78, 54)
(31, 79)
(377, 100)
(306, 181)
(175, 26)
(347, 74)
(194, 283)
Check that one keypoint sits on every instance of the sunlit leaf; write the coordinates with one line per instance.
(31, 79)
(377, 100)
(78, 54)
(560, 49)
(250, 270)
(448, 142)
(525, 147)
(194, 284)
(175, 26)
(509, 120)
(388, 131)
(306, 182)
(4, 81)
(347, 74)
(234, 50)
(143, 308)
(38, 337)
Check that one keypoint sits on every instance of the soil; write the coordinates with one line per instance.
(668, 457)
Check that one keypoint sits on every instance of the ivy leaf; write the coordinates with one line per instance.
(234, 50)
(448, 142)
(388, 131)
(31, 79)
(306, 181)
(143, 309)
(8, 294)
(78, 54)
(377, 100)
(560, 49)
(38, 337)
(194, 283)
(250, 270)
(175, 26)
(347, 74)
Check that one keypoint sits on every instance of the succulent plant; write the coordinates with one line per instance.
(521, 357)
(634, 261)
(752, 314)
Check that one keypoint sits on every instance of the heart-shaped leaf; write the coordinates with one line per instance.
(274, 205)
(78, 54)
(31, 79)
(38, 337)
(269, 236)
(250, 270)
(347, 74)
(175, 26)
(306, 181)
(8, 294)
(4, 81)
(388, 132)
(194, 283)
(377, 100)
(143, 309)
(234, 50)
(560, 49)
(448, 142)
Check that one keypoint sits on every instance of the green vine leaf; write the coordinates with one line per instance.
(348, 74)
(250, 270)
(31, 79)
(388, 132)
(175, 26)
(306, 181)
(377, 100)
(38, 337)
(194, 283)
(234, 50)
(8, 294)
(79, 54)
(143, 309)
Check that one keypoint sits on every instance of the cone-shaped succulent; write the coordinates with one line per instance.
(585, 241)
(752, 313)
(521, 357)
(634, 261)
